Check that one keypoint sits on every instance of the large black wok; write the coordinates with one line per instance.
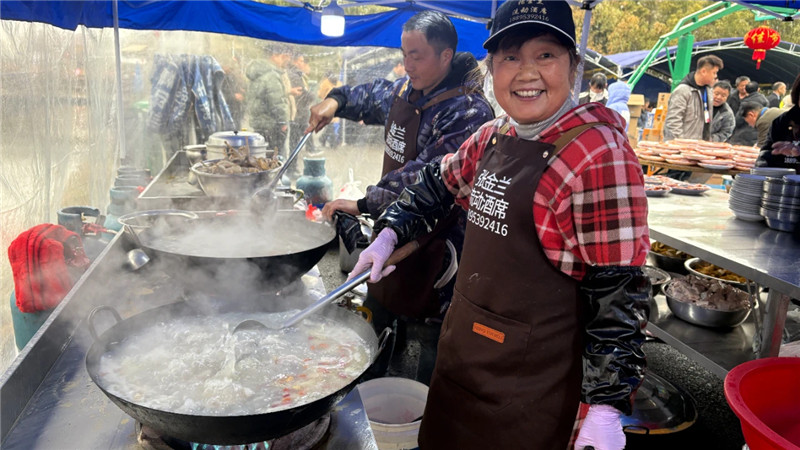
(240, 249)
(222, 430)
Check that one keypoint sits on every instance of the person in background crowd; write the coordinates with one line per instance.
(234, 90)
(690, 107)
(753, 96)
(426, 114)
(597, 90)
(648, 116)
(618, 95)
(764, 123)
(723, 121)
(551, 302)
(787, 101)
(268, 107)
(735, 100)
(398, 71)
(778, 91)
(782, 146)
(745, 132)
(303, 98)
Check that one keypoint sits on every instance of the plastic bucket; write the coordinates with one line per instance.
(765, 395)
(394, 407)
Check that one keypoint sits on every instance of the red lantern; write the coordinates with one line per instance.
(761, 39)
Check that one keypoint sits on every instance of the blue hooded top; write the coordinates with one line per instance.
(618, 95)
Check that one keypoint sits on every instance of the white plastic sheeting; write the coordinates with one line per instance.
(59, 145)
(57, 132)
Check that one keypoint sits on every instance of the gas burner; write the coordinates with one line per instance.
(310, 437)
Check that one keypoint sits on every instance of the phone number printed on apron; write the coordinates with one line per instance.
(395, 143)
(487, 208)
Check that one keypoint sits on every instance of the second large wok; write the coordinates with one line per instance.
(223, 430)
(237, 249)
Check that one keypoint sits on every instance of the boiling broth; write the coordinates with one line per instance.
(194, 365)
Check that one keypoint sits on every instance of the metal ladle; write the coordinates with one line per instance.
(397, 256)
(137, 258)
(267, 193)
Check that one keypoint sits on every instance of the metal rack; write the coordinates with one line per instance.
(703, 226)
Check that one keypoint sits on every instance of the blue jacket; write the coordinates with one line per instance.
(443, 127)
(618, 95)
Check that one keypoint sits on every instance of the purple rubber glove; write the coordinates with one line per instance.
(376, 255)
(601, 429)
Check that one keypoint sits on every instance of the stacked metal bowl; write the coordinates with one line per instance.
(745, 197)
(780, 202)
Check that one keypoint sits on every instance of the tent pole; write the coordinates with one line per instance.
(120, 110)
(587, 20)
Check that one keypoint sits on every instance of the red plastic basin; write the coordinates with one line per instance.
(765, 395)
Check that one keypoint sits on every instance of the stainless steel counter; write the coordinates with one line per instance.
(703, 226)
(47, 399)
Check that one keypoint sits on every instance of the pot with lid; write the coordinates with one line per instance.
(215, 145)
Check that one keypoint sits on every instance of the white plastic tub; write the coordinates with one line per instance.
(394, 407)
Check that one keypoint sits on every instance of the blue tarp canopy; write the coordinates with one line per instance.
(296, 24)
(782, 62)
(276, 23)
(248, 18)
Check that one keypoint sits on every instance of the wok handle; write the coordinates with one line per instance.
(401, 253)
(397, 256)
(382, 339)
(94, 312)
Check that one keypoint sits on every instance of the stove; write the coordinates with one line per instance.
(313, 436)
(67, 410)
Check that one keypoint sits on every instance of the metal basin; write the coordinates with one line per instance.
(690, 265)
(705, 317)
(657, 277)
(669, 263)
(234, 184)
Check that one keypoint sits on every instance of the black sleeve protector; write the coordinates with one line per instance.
(419, 207)
(613, 360)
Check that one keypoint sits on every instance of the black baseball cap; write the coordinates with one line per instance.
(554, 16)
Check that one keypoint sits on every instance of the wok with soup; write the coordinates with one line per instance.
(183, 372)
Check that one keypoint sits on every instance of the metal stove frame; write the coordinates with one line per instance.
(47, 399)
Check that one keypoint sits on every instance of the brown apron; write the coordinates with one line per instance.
(402, 127)
(417, 299)
(509, 369)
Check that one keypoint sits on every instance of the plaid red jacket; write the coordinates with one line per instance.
(590, 207)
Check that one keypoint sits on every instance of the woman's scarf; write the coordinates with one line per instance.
(531, 131)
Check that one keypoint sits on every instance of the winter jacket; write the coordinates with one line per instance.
(443, 127)
(723, 123)
(268, 101)
(774, 100)
(685, 118)
(764, 123)
(618, 95)
(785, 128)
(754, 97)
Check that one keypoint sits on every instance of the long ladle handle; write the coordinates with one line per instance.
(284, 167)
(396, 256)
